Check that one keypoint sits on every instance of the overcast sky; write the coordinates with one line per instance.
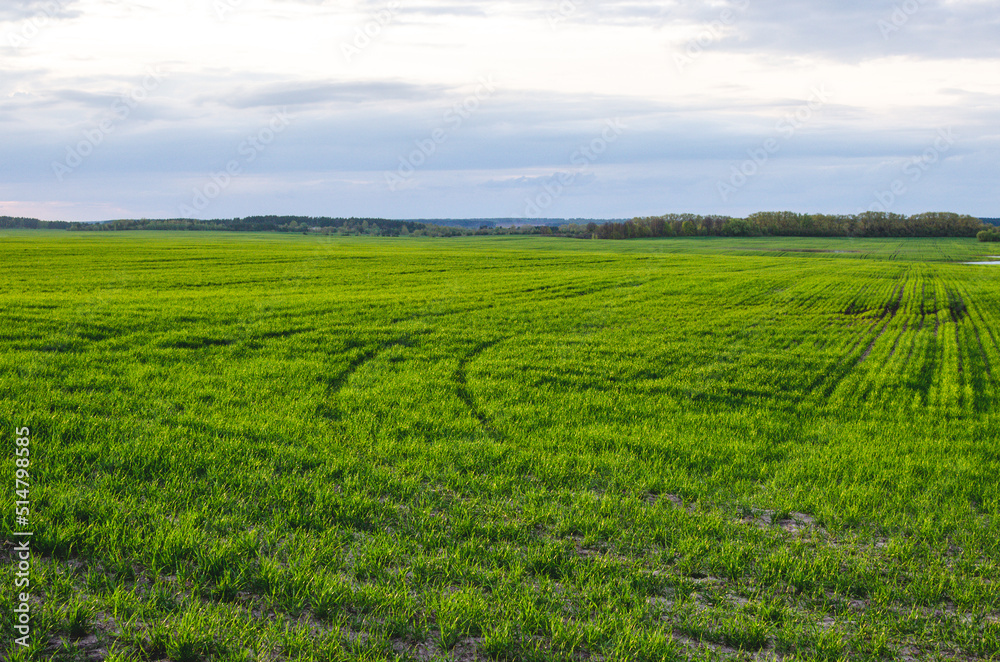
(522, 108)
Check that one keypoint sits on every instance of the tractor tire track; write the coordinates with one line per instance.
(895, 345)
(890, 310)
(844, 367)
(831, 380)
(975, 328)
(336, 383)
(462, 386)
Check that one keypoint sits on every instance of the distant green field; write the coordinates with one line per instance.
(287, 447)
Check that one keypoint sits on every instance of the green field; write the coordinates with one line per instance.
(286, 447)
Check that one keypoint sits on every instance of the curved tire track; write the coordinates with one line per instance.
(336, 384)
(462, 390)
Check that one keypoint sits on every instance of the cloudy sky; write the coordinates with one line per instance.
(519, 108)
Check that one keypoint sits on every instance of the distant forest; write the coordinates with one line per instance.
(790, 224)
(762, 224)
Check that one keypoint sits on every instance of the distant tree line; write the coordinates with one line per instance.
(373, 227)
(370, 226)
(306, 224)
(16, 223)
(761, 224)
(790, 224)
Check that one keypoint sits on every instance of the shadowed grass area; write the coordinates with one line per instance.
(260, 447)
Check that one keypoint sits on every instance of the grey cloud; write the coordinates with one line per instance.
(844, 30)
(553, 11)
(808, 185)
(534, 182)
(40, 10)
(314, 93)
(438, 10)
(510, 131)
(856, 30)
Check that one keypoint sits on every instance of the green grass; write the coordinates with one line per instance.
(264, 447)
